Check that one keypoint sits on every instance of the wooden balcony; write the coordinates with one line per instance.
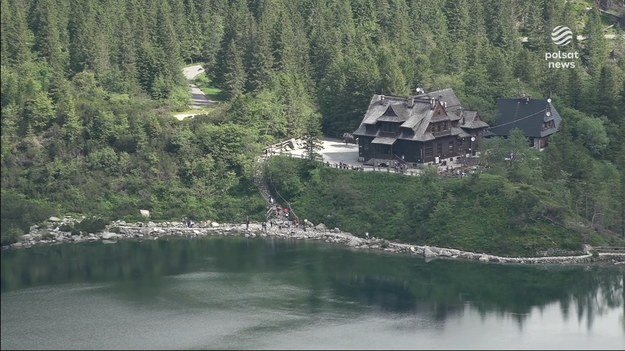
(442, 133)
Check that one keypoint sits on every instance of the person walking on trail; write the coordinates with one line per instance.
(264, 226)
(247, 223)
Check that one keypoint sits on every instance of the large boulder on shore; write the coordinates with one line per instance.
(214, 224)
(320, 226)
(427, 252)
(109, 235)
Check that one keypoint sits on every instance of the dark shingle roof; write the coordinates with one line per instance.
(415, 114)
(446, 95)
(527, 115)
(470, 120)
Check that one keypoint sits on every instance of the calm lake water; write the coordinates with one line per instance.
(216, 293)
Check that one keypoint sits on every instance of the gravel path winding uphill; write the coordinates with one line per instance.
(198, 98)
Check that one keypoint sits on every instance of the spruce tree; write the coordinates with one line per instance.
(595, 53)
(17, 38)
(234, 73)
(312, 140)
(46, 27)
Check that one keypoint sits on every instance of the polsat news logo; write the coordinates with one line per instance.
(561, 36)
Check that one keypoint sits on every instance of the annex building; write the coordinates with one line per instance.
(536, 118)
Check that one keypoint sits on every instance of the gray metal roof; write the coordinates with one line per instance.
(525, 114)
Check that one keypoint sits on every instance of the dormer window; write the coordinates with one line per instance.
(549, 125)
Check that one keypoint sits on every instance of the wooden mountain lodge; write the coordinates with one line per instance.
(422, 128)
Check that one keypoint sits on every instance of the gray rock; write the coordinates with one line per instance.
(484, 258)
(428, 253)
(336, 230)
(445, 253)
(54, 219)
(320, 226)
(109, 235)
(214, 224)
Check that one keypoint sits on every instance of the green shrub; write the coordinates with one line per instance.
(66, 227)
(91, 225)
(18, 214)
(11, 235)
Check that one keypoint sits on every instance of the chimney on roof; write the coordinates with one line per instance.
(411, 101)
(432, 103)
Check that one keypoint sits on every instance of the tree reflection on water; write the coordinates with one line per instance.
(391, 283)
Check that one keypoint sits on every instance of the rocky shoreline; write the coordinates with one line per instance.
(50, 233)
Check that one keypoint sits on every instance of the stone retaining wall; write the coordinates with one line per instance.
(120, 230)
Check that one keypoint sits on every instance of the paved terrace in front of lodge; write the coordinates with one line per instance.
(336, 152)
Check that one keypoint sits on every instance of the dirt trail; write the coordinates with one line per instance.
(198, 98)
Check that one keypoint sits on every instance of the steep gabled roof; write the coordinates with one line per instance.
(470, 120)
(526, 114)
(445, 95)
(415, 114)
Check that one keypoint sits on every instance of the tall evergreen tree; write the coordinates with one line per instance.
(46, 27)
(392, 81)
(595, 52)
(607, 93)
(17, 38)
(259, 60)
(234, 74)
(312, 140)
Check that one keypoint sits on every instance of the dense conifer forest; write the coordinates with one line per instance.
(89, 88)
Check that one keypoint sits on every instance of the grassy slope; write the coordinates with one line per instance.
(483, 213)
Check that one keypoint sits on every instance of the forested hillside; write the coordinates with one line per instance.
(88, 88)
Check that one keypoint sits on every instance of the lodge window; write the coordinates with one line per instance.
(451, 146)
(439, 148)
(428, 150)
(547, 125)
(389, 127)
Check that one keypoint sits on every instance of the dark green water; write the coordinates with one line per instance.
(271, 294)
